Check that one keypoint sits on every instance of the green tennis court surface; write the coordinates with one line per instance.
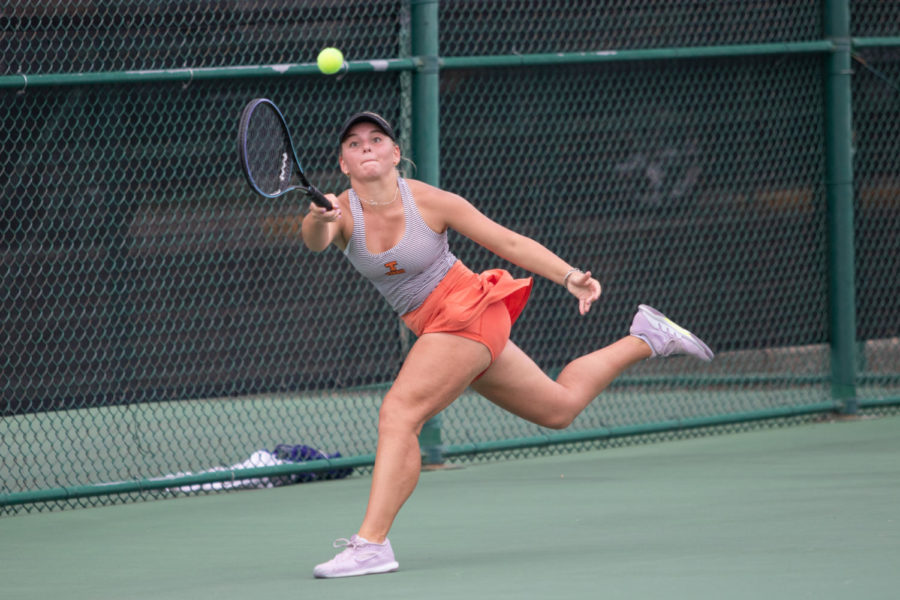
(805, 512)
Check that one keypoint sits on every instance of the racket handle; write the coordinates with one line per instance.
(318, 197)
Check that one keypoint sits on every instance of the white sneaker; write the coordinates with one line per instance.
(360, 557)
(665, 337)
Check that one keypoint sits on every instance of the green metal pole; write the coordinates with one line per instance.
(22, 82)
(425, 92)
(426, 147)
(839, 196)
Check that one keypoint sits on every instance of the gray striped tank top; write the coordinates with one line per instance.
(409, 271)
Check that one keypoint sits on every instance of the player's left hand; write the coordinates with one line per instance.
(585, 288)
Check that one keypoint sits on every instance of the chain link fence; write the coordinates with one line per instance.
(161, 321)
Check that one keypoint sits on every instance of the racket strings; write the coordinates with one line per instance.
(268, 150)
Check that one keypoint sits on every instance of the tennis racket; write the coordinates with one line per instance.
(267, 152)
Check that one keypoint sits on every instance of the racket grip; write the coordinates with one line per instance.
(318, 197)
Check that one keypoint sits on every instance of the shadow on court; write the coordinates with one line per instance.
(806, 512)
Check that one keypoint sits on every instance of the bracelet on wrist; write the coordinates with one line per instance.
(569, 274)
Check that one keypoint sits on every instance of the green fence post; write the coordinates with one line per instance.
(425, 91)
(426, 147)
(839, 196)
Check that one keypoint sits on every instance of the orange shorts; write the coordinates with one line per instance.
(480, 307)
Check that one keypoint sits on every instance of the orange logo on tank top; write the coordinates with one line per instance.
(392, 268)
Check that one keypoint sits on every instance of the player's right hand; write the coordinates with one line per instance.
(324, 215)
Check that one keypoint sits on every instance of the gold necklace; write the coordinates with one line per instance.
(371, 203)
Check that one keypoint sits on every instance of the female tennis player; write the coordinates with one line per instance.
(394, 232)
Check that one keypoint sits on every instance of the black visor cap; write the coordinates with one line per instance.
(367, 117)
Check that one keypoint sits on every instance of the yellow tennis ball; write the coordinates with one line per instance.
(330, 60)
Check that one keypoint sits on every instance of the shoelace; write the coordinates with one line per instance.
(354, 545)
(678, 335)
(672, 328)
